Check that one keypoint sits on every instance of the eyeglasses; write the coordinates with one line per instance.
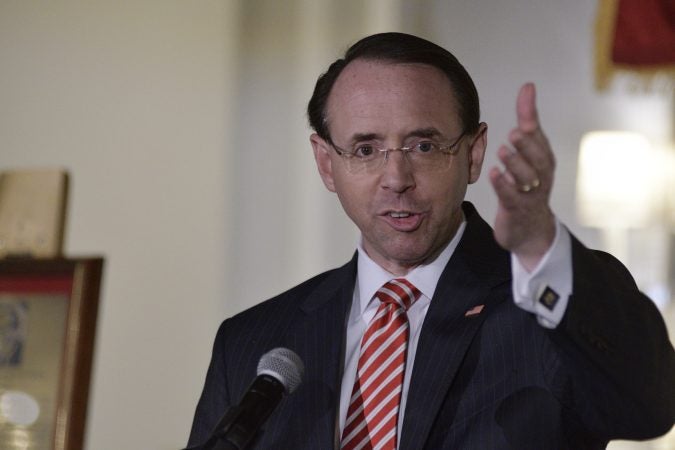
(424, 156)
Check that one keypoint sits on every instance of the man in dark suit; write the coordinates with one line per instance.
(513, 338)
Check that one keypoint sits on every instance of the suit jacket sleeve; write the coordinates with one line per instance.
(619, 366)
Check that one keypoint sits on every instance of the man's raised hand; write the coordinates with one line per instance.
(525, 224)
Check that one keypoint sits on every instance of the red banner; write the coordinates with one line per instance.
(645, 32)
(636, 36)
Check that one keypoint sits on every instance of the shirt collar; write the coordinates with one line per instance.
(371, 276)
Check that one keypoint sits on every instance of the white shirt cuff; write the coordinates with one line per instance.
(546, 290)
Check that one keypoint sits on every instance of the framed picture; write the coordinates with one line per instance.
(48, 310)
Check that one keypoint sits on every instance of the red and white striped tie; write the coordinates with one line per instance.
(372, 416)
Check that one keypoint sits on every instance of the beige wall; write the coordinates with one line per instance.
(183, 127)
(133, 98)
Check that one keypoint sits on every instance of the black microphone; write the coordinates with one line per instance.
(279, 372)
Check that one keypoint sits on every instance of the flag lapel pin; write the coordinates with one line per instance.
(474, 311)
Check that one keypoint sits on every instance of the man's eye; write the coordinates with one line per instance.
(425, 147)
(364, 151)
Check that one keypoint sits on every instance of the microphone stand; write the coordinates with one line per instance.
(240, 423)
(218, 439)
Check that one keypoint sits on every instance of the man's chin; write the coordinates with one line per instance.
(406, 256)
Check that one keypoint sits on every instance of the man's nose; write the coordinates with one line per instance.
(397, 173)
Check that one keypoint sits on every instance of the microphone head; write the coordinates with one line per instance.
(284, 365)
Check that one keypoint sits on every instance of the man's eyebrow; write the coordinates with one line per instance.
(430, 132)
(357, 137)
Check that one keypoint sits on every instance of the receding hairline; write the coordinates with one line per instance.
(389, 62)
(398, 48)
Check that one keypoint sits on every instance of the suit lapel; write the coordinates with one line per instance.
(318, 336)
(463, 298)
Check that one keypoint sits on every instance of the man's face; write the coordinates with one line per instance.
(406, 216)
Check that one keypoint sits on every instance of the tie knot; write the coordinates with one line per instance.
(399, 291)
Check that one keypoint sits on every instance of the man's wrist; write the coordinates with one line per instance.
(545, 290)
(531, 252)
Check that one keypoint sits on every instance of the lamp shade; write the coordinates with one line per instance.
(618, 180)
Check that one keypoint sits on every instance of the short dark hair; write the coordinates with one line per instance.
(398, 48)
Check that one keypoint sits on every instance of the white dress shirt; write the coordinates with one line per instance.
(554, 271)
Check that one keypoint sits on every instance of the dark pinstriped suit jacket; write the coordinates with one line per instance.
(497, 380)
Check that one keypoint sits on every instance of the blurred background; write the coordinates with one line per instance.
(183, 127)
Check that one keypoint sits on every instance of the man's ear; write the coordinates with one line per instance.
(476, 152)
(324, 163)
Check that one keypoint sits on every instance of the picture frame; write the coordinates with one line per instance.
(48, 313)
